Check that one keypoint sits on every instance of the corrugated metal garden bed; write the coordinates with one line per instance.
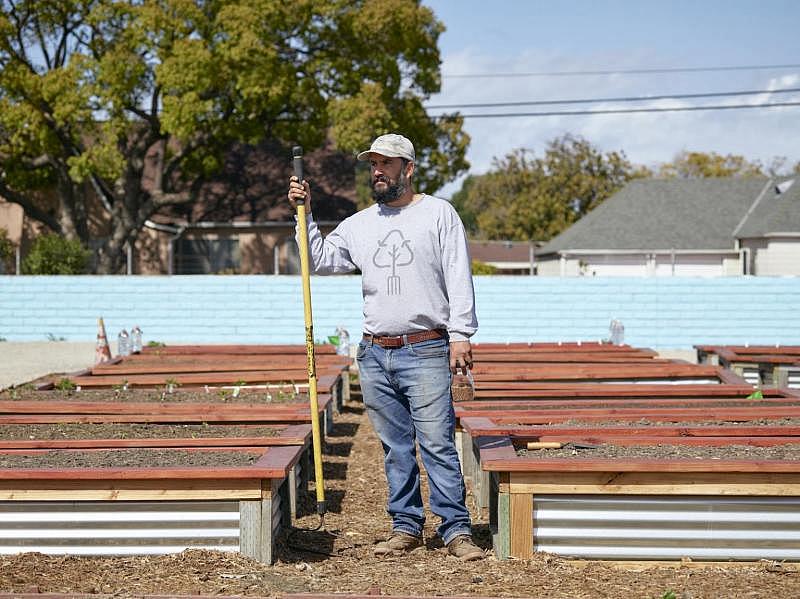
(763, 365)
(703, 508)
(153, 501)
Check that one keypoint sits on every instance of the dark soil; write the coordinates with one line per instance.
(339, 558)
(608, 451)
(230, 395)
(127, 458)
(17, 432)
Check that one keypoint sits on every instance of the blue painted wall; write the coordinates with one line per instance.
(658, 312)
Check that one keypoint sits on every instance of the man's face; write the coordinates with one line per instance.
(389, 180)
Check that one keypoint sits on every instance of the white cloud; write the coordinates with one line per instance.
(646, 138)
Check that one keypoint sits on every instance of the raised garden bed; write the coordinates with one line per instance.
(706, 507)
(761, 365)
(158, 405)
(761, 432)
(107, 502)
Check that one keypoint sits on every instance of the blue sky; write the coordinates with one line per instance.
(502, 36)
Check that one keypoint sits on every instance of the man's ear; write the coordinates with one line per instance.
(410, 168)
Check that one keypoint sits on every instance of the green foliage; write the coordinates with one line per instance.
(6, 247)
(670, 594)
(757, 394)
(481, 268)
(528, 198)
(156, 344)
(6, 251)
(696, 165)
(65, 384)
(89, 88)
(55, 255)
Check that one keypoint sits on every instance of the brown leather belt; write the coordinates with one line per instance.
(401, 340)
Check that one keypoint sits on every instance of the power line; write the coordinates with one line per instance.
(621, 99)
(757, 67)
(611, 111)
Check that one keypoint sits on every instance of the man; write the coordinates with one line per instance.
(419, 313)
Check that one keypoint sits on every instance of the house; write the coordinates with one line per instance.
(240, 222)
(506, 257)
(684, 227)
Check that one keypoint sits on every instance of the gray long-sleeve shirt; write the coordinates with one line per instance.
(415, 266)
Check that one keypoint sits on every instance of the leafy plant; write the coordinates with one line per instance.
(482, 268)
(171, 384)
(156, 344)
(670, 594)
(757, 394)
(65, 384)
(6, 250)
(123, 386)
(56, 255)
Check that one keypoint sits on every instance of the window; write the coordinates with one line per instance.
(207, 256)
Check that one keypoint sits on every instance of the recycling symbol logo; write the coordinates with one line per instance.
(393, 251)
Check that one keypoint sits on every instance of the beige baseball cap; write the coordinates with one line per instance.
(392, 145)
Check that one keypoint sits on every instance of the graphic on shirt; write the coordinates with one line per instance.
(393, 251)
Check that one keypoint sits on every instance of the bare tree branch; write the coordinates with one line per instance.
(30, 209)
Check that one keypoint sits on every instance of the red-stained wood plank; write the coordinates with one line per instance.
(524, 389)
(487, 427)
(464, 408)
(265, 349)
(334, 365)
(684, 414)
(50, 406)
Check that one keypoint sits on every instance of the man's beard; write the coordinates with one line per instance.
(393, 191)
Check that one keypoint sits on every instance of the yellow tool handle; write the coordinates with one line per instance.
(316, 436)
(544, 445)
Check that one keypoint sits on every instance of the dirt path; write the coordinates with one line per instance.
(356, 495)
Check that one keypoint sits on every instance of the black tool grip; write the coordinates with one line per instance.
(297, 164)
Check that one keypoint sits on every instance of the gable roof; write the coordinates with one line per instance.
(663, 214)
(777, 210)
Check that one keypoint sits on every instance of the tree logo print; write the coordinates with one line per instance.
(393, 251)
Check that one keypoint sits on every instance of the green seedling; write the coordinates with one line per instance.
(65, 385)
(156, 344)
(171, 385)
(237, 387)
(669, 595)
(757, 394)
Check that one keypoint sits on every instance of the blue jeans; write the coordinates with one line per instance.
(406, 392)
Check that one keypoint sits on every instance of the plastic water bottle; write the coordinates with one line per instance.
(136, 340)
(343, 347)
(123, 343)
(617, 332)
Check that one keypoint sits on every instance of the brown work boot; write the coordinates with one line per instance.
(464, 549)
(399, 542)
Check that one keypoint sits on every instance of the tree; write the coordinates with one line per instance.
(128, 107)
(54, 255)
(695, 165)
(524, 197)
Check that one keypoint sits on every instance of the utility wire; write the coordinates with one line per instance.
(621, 99)
(758, 67)
(609, 111)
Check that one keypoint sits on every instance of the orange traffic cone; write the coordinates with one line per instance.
(102, 352)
